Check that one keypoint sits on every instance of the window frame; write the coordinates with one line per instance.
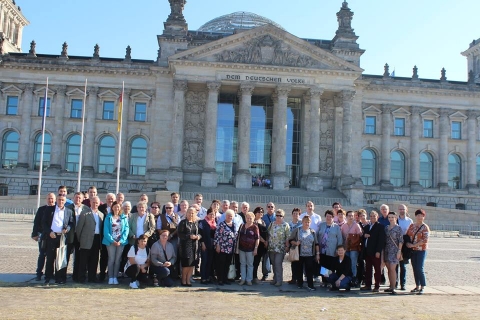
(67, 154)
(104, 103)
(76, 109)
(374, 169)
(425, 129)
(40, 106)
(367, 125)
(107, 165)
(12, 161)
(402, 128)
(454, 132)
(140, 113)
(8, 106)
(134, 168)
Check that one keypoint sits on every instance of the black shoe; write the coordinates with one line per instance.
(383, 280)
(333, 289)
(228, 283)
(420, 291)
(402, 288)
(93, 280)
(47, 281)
(365, 288)
(347, 289)
(393, 292)
(220, 283)
(264, 278)
(38, 278)
(61, 282)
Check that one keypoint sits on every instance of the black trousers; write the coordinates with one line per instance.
(134, 274)
(89, 261)
(103, 262)
(307, 263)
(76, 258)
(223, 263)
(51, 246)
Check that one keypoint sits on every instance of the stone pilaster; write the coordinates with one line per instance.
(57, 138)
(89, 142)
(27, 105)
(280, 179)
(243, 177)
(472, 151)
(124, 148)
(443, 151)
(305, 139)
(385, 183)
(415, 150)
(209, 175)
(314, 182)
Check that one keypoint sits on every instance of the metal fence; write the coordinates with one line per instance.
(444, 230)
(17, 214)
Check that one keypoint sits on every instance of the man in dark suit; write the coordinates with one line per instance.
(37, 233)
(105, 208)
(57, 221)
(89, 234)
(78, 209)
(374, 234)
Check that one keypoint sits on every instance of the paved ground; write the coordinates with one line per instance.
(453, 287)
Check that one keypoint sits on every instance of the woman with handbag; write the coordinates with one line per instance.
(277, 244)
(393, 249)
(207, 228)
(303, 240)
(224, 242)
(352, 235)
(419, 233)
(188, 245)
(262, 247)
(248, 241)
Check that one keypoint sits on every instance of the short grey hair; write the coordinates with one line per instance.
(227, 202)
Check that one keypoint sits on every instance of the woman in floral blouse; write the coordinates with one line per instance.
(418, 233)
(224, 242)
(277, 239)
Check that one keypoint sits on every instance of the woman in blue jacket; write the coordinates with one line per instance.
(115, 237)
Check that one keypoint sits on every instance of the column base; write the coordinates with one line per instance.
(243, 179)
(280, 181)
(87, 172)
(354, 193)
(209, 178)
(473, 189)
(415, 186)
(386, 186)
(174, 179)
(314, 182)
(444, 188)
(303, 181)
(54, 169)
(123, 173)
(21, 168)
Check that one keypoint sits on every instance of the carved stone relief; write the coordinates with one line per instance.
(327, 114)
(193, 144)
(268, 50)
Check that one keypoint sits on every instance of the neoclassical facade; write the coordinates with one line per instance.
(12, 23)
(240, 101)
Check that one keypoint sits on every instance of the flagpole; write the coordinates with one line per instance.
(40, 170)
(120, 120)
(81, 138)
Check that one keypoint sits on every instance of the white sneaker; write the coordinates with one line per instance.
(115, 281)
(110, 280)
(133, 285)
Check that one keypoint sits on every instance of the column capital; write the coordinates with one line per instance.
(387, 108)
(214, 86)
(444, 112)
(415, 110)
(29, 87)
(61, 89)
(473, 114)
(282, 91)
(180, 85)
(347, 95)
(246, 88)
(307, 98)
(315, 92)
(93, 90)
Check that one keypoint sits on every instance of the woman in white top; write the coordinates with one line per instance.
(138, 262)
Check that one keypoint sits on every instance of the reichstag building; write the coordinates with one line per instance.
(239, 101)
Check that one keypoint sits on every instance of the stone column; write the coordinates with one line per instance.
(57, 138)
(125, 117)
(28, 105)
(180, 88)
(280, 179)
(305, 140)
(472, 151)
(443, 150)
(385, 183)
(243, 177)
(89, 133)
(3, 101)
(415, 150)
(347, 101)
(209, 174)
(314, 182)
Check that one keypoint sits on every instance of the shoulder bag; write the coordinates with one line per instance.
(294, 254)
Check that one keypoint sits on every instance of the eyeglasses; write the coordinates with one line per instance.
(154, 207)
(168, 207)
(279, 216)
(270, 206)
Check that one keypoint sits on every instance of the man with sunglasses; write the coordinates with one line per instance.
(267, 218)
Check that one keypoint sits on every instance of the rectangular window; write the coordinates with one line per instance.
(370, 125)
(108, 110)
(12, 105)
(41, 107)
(399, 127)
(77, 105)
(140, 111)
(456, 130)
(428, 128)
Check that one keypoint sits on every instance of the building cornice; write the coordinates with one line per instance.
(447, 92)
(17, 14)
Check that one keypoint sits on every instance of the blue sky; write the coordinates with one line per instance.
(428, 33)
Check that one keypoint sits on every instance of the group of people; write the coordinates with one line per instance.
(225, 243)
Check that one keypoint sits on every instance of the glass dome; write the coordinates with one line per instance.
(237, 20)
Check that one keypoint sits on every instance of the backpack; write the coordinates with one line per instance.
(135, 247)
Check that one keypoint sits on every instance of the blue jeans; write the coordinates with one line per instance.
(246, 265)
(41, 258)
(402, 273)
(418, 260)
(344, 283)
(354, 257)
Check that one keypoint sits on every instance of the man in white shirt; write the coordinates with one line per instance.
(203, 211)
(404, 222)
(57, 221)
(315, 219)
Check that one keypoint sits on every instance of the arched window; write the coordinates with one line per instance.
(454, 171)
(10, 150)
(106, 155)
(73, 153)
(369, 167)
(46, 151)
(397, 169)
(138, 156)
(426, 170)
